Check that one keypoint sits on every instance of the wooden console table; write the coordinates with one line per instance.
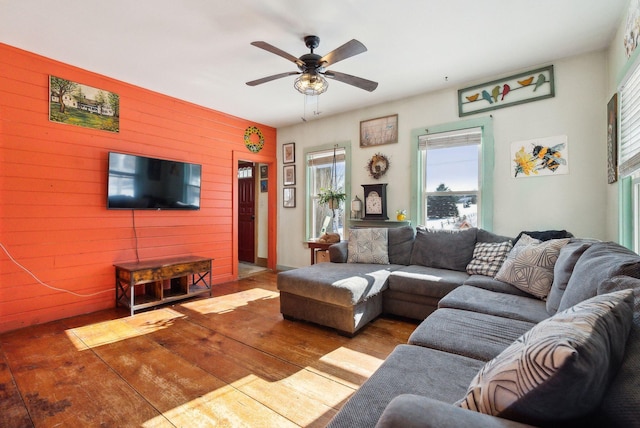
(150, 283)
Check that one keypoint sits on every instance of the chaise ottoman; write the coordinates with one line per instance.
(345, 297)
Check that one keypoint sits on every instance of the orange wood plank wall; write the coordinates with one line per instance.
(53, 182)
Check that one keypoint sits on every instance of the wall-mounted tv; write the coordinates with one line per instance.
(139, 182)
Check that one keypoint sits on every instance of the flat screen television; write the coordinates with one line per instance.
(139, 182)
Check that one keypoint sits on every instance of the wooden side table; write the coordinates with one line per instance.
(314, 245)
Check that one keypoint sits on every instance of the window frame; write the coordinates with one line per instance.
(628, 205)
(485, 181)
(309, 193)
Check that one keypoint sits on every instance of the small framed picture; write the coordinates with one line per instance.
(289, 153)
(289, 174)
(264, 171)
(263, 185)
(289, 197)
(382, 130)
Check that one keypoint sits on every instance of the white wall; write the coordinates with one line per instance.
(575, 202)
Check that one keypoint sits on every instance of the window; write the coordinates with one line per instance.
(629, 163)
(451, 194)
(454, 180)
(320, 175)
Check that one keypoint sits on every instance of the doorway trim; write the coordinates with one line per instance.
(272, 199)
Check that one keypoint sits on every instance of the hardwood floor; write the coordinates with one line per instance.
(228, 360)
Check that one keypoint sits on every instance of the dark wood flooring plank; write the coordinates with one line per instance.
(290, 390)
(65, 384)
(13, 412)
(184, 393)
(230, 360)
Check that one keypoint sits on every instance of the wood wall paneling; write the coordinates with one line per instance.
(53, 180)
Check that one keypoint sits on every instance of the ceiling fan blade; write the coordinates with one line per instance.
(359, 82)
(349, 49)
(270, 48)
(270, 78)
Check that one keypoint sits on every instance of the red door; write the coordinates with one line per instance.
(246, 213)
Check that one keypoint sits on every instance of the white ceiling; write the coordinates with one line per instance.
(199, 50)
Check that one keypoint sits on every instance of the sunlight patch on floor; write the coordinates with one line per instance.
(352, 361)
(112, 331)
(229, 302)
(226, 407)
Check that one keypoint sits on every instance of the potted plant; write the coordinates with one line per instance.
(333, 198)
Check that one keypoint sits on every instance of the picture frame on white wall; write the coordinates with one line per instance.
(289, 197)
(289, 153)
(540, 157)
(289, 174)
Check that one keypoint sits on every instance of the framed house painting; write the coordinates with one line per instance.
(81, 105)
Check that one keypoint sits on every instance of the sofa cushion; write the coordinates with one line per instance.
(444, 249)
(561, 368)
(342, 284)
(567, 259)
(493, 284)
(425, 281)
(620, 405)
(408, 370)
(489, 302)
(415, 411)
(472, 334)
(400, 245)
(368, 245)
(529, 265)
(488, 258)
(338, 252)
(599, 262)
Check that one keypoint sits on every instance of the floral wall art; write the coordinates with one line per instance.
(539, 157)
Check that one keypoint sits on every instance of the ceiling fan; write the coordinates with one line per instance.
(313, 68)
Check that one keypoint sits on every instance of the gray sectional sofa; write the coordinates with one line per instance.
(487, 352)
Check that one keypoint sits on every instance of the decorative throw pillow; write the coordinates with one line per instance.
(488, 258)
(561, 368)
(529, 265)
(368, 246)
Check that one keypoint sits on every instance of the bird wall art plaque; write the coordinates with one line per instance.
(517, 89)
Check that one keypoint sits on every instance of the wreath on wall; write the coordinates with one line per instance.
(251, 145)
(378, 165)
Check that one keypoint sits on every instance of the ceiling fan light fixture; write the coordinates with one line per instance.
(311, 84)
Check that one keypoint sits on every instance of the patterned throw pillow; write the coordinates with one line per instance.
(561, 368)
(529, 265)
(368, 246)
(488, 257)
